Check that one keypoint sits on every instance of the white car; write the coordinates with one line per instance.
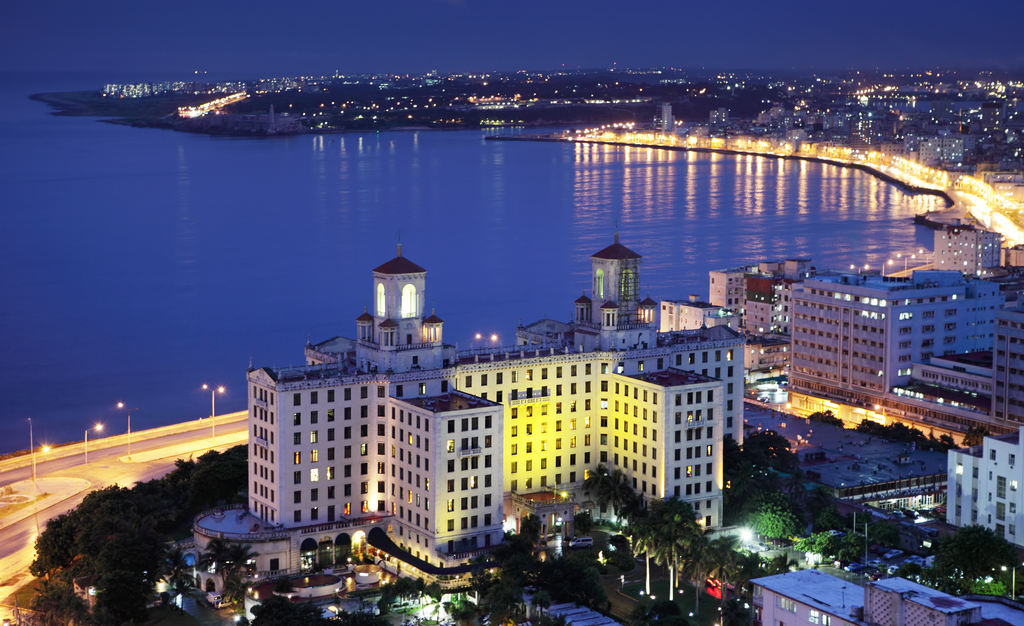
(917, 560)
(892, 554)
(582, 542)
(875, 564)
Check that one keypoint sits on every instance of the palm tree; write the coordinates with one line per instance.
(504, 602)
(541, 601)
(696, 563)
(58, 605)
(781, 564)
(216, 557)
(239, 557)
(644, 539)
(725, 567)
(178, 574)
(610, 488)
(748, 567)
(643, 614)
(675, 526)
(462, 613)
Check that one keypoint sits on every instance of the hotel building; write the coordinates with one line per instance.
(399, 441)
(856, 339)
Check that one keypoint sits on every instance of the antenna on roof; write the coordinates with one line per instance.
(399, 242)
(616, 231)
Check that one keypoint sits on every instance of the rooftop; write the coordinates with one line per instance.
(982, 358)
(925, 596)
(851, 458)
(673, 378)
(616, 252)
(399, 265)
(817, 589)
(453, 401)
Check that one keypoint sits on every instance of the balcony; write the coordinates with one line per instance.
(469, 452)
(543, 395)
(262, 442)
(261, 403)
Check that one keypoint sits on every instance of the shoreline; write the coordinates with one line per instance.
(905, 186)
(128, 112)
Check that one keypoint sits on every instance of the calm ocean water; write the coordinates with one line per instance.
(139, 264)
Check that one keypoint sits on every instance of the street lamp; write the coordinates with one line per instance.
(32, 447)
(213, 407)
(97, 428)
(1013, 587)
(120, 405)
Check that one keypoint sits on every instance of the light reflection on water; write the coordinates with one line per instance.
(145, 262)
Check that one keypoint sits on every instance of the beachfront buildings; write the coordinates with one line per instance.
(972, 251)
(856, 339)
(694, 314)
(396, 441)
(986, 486)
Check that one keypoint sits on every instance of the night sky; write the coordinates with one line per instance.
(253, 38)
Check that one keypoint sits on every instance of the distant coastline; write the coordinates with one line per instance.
(160, 111)
(907, 187)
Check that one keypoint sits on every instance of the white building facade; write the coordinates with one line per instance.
(967, 249)
(985, 486)
(856, 338)
(397, 432)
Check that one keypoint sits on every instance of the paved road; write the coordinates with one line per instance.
(17, 540)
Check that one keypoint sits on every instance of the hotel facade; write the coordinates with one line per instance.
(398, 441)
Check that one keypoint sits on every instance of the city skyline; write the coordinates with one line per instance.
(418, 37)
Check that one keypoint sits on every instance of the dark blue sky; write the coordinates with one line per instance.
(260, 38)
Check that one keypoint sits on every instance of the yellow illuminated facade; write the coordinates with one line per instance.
(398, 429)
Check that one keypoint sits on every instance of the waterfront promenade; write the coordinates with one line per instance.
(966, 196)
(62, 480)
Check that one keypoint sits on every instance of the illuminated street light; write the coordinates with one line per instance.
(98, 428)
(120, 405)
(213, 407)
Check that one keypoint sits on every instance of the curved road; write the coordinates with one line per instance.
(17, 540)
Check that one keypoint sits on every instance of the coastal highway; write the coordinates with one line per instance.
(62, 473)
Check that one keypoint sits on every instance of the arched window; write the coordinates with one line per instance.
(599, 283)
(380, 300)
(626, 291)
(409, 301)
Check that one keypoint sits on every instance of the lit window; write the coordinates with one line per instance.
(314, 475)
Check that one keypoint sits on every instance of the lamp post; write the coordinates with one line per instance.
(120, 405)
(98, 428)
(32, 447)
(35, 488)
(1013, 585)
(213, 407)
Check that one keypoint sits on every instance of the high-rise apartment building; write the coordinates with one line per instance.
(856, 338)
(396, 438)
(986, 486)
(967, 249)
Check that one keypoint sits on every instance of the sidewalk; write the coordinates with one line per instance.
(191, 448)
(60, 452)
(59, 489)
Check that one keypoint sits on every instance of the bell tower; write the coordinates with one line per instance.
(396, 335)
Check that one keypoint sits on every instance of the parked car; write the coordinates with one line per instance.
(582, 542)
(840, 563)
(875, 563)
(215, 599)
(929, 561)
(891, 569)
(877, 575)
(892, 554)
(837, 533)
(619, 541)
(917, 560)
(854, 567)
